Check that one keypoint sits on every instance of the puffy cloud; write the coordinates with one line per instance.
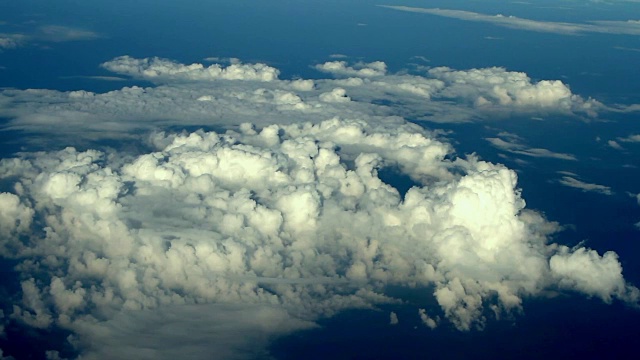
(340, 68)
(426, 320)
(393, 318)
(577, 271)
(629, 27)
(498, 87)
(281, 211)
(187, 98)
(274, 220)
(161, 70)
(335, 95)
(578, 184)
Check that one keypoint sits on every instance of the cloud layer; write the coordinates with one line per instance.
(277, 218)
(217, 95)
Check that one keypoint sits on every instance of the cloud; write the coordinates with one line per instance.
(576, 267)
(514, 146)
(426, 320)
(57, 33)
(377, 68)
(12, 41)
(630, 139)
(48, 33)
(393, 318)
(271, 219)
(614, 144)
(586, 187)
(223, 331)
(185, 96)
(161, 70)
(496, 87)
(629, 27)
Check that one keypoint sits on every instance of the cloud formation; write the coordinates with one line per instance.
(253, 93)
(47, 33)
(514, 145)
(586, 187)
(274, 220)
(628, 27)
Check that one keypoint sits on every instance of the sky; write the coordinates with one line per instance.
(319, 179)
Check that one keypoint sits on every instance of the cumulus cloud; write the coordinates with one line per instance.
(586, 187)
(377, 68)
(274, 220)
(156, 69)
(393, 318)
(628, 27)
(576, 267)
(426, 320)
(254, 93)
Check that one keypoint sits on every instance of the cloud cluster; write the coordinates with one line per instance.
(628, 27)
(217, 95)
(277, 218)
(287, 222)
(165, 70)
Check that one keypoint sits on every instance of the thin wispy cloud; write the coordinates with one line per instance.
(628, 27)
(584, 186)
(514, 146)
(47, 34)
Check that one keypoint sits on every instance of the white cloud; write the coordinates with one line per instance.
(497, 87)
(426, 320)
(443, 95)
(631, 138)
(47, 33)
(514, 146)
(335, 95)
(161, 70)
(577, 270)
(586, 187)
(280, 211)
(614, 144)
(628, 27)
(393, 318)
(377, 68)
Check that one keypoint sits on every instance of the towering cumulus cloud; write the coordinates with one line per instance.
(216, 242)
